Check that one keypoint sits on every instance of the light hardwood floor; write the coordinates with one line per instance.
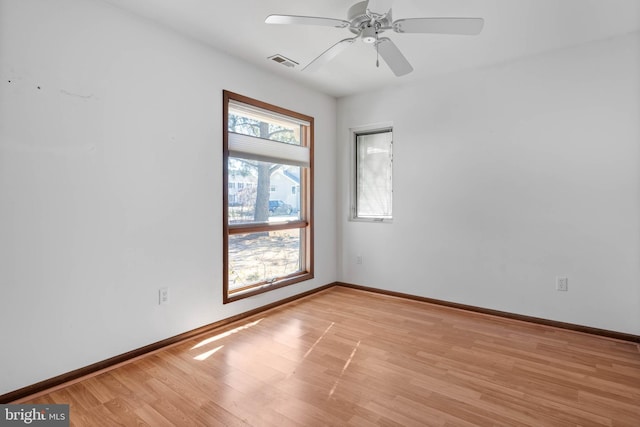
(349, 357)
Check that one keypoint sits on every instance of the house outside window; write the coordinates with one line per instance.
(268, 231)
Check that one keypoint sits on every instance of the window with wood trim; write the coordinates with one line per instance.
(268, 229)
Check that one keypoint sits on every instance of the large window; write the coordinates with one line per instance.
(268, 228)
(373, 175)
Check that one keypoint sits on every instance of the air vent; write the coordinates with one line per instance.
(284, 61)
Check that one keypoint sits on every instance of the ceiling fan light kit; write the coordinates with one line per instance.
(367, 21)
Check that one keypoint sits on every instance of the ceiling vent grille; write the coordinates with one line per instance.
(284, 61)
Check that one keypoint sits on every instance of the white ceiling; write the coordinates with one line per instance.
(513, 29)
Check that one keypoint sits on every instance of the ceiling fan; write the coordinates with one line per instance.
(367, 20)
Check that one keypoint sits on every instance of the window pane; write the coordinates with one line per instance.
(373, 175)
(249, 120)
(261, 257)
(260, 192)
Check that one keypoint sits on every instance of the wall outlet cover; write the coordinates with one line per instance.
(562, 283)
(163, 296)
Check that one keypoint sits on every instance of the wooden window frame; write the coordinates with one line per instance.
(306, 211)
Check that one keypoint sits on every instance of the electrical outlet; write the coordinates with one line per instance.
(163, 296)
(562, 283)
(359, 259)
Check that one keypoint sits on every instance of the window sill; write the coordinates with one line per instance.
(266, 287)
(374, 220)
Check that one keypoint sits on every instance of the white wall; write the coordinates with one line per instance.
(506, 177)
(111, 184)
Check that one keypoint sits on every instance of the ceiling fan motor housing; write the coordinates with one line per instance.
(368, 25)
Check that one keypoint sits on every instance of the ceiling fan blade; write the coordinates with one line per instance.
(329, 54)
(306, 20)
(393, 57)
(379, 6)
(464, 26)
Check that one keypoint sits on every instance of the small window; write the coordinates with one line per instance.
(373, 175)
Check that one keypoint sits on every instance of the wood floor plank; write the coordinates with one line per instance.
(350, 357)
(125, 412)
(152, 417)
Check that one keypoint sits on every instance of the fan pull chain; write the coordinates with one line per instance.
(377, 52)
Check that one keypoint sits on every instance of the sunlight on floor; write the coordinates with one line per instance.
(344, 368)
(226, 334)
(207, 354)
(318, 340)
